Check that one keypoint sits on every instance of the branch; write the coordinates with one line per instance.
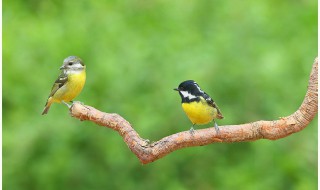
(147, 153)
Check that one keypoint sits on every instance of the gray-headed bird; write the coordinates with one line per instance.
(69, 84)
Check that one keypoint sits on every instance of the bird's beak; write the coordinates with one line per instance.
(176, 89)
(62, 67)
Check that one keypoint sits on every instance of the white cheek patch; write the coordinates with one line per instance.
(186, 94)
(78, 66)
(72, 71)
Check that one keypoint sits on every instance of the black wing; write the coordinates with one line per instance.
(212, 104)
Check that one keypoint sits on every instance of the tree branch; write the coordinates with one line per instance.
(147, 153)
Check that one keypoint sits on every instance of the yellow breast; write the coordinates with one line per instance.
(72, 88)
(199, 112)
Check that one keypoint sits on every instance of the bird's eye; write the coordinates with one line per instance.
(70, 63)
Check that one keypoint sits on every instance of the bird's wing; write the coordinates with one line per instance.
(62, 79)
(212, 104)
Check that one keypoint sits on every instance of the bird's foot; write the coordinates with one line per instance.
(78, 102)
(191, 130)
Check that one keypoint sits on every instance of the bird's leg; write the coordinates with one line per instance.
(216, 127)
(191, 129)
(69, 106)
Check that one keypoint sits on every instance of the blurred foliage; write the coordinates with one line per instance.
(252, 57)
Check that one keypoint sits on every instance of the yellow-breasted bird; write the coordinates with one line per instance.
(69, 84)
(198, 105)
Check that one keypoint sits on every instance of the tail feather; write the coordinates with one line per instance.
(45, 110)
(219, 115)
(47, 107)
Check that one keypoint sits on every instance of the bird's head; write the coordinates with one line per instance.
(189, 90)
(72, 63)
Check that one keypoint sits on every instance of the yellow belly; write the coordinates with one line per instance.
(199, 112)
(72, 88)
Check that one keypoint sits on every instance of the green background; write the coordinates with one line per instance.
(252, 57)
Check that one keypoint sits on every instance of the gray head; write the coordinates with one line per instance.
(72, 63)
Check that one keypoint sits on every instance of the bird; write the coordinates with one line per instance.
(69, 83)
(198, 105)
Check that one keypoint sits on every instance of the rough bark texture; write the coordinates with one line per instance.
(147, 153)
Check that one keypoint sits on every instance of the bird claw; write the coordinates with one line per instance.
(78, 102)
(191, 130)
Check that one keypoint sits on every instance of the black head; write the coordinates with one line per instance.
(189, 91)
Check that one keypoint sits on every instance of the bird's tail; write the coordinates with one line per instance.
(219, 115)
(47, 107)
